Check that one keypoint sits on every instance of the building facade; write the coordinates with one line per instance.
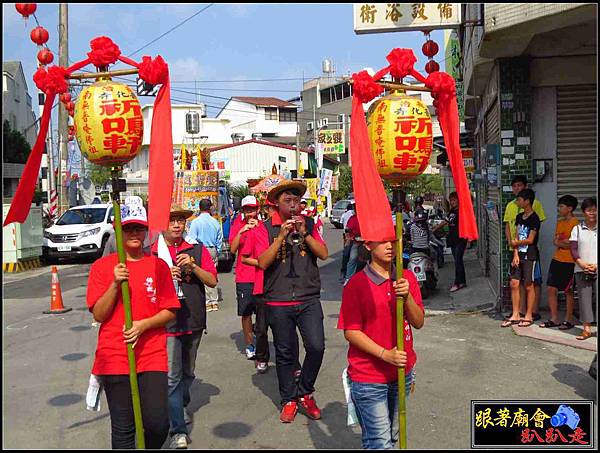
(17, 106)
(530, 103)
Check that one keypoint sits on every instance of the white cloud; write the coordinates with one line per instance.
(184, 69)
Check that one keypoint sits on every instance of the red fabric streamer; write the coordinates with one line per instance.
(77, 66)
(155, 72)
(444, 90)
(160, 178)
(129, 61)
(21, 204)
(372, 205)
(402, 62)
(104, 51)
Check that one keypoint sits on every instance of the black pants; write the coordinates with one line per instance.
(261, 330)
(308, 317)
(154, 402)
(458, 252)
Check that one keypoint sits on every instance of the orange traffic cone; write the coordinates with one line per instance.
(56, 302)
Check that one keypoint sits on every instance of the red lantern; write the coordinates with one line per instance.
(45, 57)
(65, 97)
(70, 106)
(26, 9)
(39, 35)
(430, 48)
(432, 66)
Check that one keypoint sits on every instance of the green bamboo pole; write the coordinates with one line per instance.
(400, 336)
(135, 393)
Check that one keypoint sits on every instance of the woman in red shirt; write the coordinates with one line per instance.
(153, 300)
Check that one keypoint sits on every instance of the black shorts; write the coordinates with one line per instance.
(245, 300)
(560, 275)
(525, 271)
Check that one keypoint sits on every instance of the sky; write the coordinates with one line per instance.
(221, 47)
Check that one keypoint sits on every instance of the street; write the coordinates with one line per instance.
(47, 361)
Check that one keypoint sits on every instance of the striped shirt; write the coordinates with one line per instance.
(419, 236)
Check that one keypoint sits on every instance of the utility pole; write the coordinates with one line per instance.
(297, 150)
(63, 117)
(316, 140)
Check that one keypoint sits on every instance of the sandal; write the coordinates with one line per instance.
(549, 323)
(525, 322)
(584, 335)
(566, 325)
(454, 288)
(510, 322)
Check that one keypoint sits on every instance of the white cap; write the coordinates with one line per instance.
(135, 213)
(249, 201)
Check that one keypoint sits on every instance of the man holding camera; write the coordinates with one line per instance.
(192, 267)
(288, 246)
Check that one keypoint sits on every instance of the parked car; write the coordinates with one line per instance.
(81, 231)
(338, 210)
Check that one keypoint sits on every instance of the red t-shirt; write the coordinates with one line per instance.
(151, 288)
(353, 226)
(371, 308)
(260, 238)
(248, 249)
(243, 272)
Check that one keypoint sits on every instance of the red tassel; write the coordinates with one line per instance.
(21, 204)
(160, 177)
(372, 205)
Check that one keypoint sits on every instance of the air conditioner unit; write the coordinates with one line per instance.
(310, 126)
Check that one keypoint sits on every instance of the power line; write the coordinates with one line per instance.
(169, 31)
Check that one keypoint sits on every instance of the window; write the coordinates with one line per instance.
(270, 114)
(288, 115)
(338, 93)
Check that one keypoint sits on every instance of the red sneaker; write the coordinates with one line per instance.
(308, 404)
(288, 413)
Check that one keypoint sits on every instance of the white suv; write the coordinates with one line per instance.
(80, 231)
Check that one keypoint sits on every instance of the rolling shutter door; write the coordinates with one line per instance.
(492, 136)
(576, 142)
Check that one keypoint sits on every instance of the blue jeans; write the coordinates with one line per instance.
(182, 353)
(377, 410)
(352, 261)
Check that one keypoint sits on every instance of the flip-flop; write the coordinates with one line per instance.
(549, 323)
(565, 325)
(526, 322)
(584, 335)
(510, 322)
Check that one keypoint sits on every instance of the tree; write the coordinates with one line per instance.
(344, 184)
(99, 175)
(16, 148)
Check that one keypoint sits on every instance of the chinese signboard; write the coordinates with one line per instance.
(387, 17)
(468, 161)
(454, 68)
(331, 141)
(192, 186)
(325, 183)
(549, 424)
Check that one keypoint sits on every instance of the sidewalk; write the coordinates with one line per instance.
(553, 335)
(475, 297)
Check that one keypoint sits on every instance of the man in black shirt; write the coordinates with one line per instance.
(525, 255)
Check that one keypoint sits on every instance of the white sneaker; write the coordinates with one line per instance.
(262, 367)
(216, 306)
(179, 442)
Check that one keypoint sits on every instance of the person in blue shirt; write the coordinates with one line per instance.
(207, 230)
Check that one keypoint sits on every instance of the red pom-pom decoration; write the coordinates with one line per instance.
(430, 49)
(104, 52)
(432, 67)
(154, 72)
(45, 57)
(26, 9)
(364, 87)
(442, 85)
(402, 62)
(39, 35)
(70, 105)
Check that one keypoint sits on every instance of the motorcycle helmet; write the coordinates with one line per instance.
(419, 201)
(421, 215)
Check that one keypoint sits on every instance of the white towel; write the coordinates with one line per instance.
(352, 417)
(163, 251)
(95, 388)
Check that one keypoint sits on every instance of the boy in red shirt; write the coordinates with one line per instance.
(368, 318)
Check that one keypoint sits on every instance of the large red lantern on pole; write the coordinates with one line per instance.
(39, 35)
(26, 9)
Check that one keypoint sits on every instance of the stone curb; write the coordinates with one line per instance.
(589, 345)
(460, 311)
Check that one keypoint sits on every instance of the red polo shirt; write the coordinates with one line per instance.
(369, 305)
(151, 288)
(243, 272)
(260, 239)
(353, 226)
(248, 249)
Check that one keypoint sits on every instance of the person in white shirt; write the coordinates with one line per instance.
(347, 243)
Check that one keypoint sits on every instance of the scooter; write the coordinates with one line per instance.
(424, 267)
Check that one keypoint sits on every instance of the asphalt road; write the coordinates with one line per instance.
(47, 360)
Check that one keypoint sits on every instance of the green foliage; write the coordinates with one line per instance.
(99, 175)
(15, 147)
(425, 185)
(345, 184)
(240, 191)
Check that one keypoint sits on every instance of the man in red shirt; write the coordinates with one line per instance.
(192, 268)
(244, 274)
(368, 318)
(288, 247)
(153, 302)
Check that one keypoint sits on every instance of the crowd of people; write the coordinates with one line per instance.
(173, 282)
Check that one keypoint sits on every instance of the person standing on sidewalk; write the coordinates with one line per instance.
(192, 268)
(518, 184)
(353, 236)
(347, 242)
(457, 244)
(584, 248)
(288, 247)
(207, 230)
(153, 305)
(244, 274)
(368, 319)
(562, 266)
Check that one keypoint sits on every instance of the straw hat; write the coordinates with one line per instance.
(177, 210)
(283, 186)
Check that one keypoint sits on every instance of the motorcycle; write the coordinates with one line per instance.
(424, 266)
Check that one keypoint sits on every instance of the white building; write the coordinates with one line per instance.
(17, 107)
(259, 117)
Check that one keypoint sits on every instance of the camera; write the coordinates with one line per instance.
(565, 416)
(589, 277)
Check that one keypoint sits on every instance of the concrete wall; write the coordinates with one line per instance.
(17, 106)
